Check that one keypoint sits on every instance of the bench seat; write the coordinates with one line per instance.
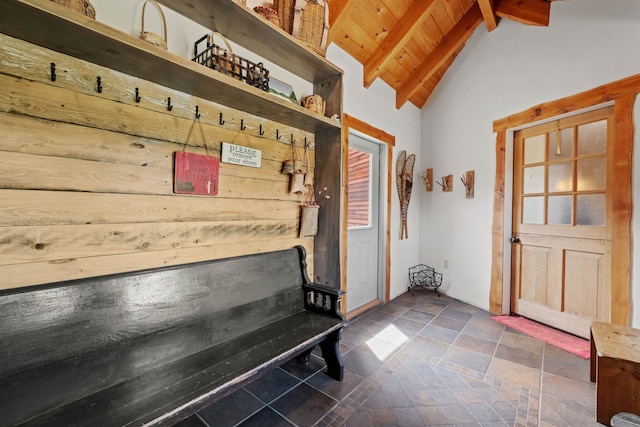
(163, 376)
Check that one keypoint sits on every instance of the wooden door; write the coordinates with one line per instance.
(561, 252)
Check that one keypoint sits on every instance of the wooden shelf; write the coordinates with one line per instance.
(243, 26)
(54, 27)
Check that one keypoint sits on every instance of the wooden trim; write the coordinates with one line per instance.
(547, 110)
(622, 209)
(390, 140)
(623, 93)
(358, 311)
(497, 232)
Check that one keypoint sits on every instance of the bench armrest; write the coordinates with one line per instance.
(323, 299)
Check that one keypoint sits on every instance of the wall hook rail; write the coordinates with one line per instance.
(261, 131)
(242, 126)
(53, 71)
(99, 84)
(222, 122)
(137, 98)
(198, 112)
(169, 106)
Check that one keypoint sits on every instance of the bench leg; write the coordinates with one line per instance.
(305, 357)
(331, 354)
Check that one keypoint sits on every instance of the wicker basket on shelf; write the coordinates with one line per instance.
(81, 6)
(311, 24)
(286, 13)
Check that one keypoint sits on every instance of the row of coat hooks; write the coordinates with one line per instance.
(137, 99)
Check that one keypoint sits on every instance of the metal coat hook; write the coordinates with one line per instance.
(99, 84)
(137, 98)
(53, 71)
(242, 126)
(221, 121)
(169, 106)
(261, 131)
(197, 112)
(293, 141)
(278, 134)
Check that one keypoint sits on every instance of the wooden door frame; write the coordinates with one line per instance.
(350, 122)
(622, 93)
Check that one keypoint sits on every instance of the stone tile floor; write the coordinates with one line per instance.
(420, 360)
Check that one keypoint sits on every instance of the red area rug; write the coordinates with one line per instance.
(578, 346)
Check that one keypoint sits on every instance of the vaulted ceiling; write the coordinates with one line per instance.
(410, 44)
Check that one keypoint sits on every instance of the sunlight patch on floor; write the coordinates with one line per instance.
(386, 342)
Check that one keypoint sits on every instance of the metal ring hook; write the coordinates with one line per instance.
(169, 106)
(99, 84)
(242, 126)
(53, 71)
(222, 122)
(137, 98)
(261, 131)
(197, 112)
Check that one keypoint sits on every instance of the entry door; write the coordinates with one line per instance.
(363, 187)
(562, 215)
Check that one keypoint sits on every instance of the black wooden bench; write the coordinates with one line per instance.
(153, 347)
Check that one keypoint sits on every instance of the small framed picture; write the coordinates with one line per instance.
(282, 89)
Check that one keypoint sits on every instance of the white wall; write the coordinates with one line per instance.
(376, 106)
(588, 43)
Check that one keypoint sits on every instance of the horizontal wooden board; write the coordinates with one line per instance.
(48, 243)
(34, 273)
(25, 207)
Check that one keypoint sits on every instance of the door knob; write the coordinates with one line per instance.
(515, 240)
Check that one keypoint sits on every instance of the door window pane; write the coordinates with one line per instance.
(534, 180)
(561, 144)
(560, 178)
(591, 209)
(559, 210)
(359, 189)
(534, 149)
(592, 138)
(533, 210)
(592, 174)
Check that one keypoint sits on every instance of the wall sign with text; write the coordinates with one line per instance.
(196, 174)
(239, 155)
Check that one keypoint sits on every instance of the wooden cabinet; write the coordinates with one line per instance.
(49, 25)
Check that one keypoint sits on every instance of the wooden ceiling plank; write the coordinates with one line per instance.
(396, 39)
(488, 14)
(528, 12)
(338, 13)
(449, 45)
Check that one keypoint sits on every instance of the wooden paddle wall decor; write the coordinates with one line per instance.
(404, 182)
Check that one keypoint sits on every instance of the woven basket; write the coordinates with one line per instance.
(269, 14)
(153, 38)
(286, 13)
(81, 6)
(309, 220)
(314, 103)
(312, 26)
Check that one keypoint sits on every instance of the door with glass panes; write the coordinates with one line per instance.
(561, 251)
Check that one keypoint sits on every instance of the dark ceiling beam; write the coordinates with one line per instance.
(448, 46)
(396, 40)
(528, 12)
(488, 14)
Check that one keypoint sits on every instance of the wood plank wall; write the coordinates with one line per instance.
(86, 178)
